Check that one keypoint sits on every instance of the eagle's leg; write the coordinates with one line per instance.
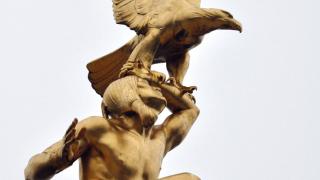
(177, 67)
(143, 54)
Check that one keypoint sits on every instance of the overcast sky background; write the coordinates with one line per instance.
(258, 91)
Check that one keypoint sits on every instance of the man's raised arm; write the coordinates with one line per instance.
(58, 156)
(184, 114)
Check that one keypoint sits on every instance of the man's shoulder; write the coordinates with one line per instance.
(94, 123)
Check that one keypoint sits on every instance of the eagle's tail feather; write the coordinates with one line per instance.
(106, 69)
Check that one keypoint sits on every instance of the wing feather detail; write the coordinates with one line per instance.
(132, 13)
(105, 70)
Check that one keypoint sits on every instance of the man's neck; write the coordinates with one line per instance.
(132, 123)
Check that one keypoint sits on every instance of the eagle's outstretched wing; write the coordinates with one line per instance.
(106, 69)
(133, 13)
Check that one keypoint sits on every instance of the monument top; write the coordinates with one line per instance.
(125, 143)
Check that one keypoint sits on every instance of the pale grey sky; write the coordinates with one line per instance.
(258, 91)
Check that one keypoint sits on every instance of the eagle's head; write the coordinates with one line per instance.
(203, 21)
(225, 20)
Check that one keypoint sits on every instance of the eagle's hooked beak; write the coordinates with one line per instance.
(235, 25)
(230, 22)
(212, 19)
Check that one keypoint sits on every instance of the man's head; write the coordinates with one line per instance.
(134, 95)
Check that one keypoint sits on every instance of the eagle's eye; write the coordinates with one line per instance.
(181, 35)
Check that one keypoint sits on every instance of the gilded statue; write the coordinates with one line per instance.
(124, 143)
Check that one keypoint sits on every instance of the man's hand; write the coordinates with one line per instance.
(73, 145)
(139, 70)
(58, 156)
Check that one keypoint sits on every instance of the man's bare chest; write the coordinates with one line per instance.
(132, 154)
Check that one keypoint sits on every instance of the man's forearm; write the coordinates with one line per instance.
(39, 168)
(46, 164)
(184, 114)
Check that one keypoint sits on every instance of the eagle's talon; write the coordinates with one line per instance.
(193, 99)
(189, 90)
(184, 89)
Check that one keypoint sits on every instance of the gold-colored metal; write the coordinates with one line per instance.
(125, 143)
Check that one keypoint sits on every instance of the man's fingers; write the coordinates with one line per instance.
(66, 150)
(73, 144)
(70, 136)
(72, 126)
(123, 72)
(128, 66)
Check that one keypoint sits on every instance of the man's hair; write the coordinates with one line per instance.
(119, 95)
(123, 97)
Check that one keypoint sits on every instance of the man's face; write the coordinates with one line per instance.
(153, 101)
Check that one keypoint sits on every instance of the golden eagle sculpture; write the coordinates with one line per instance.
(166, 31)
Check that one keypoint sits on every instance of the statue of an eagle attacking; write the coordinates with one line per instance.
(166, 31)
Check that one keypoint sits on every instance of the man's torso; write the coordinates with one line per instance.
(121, 154)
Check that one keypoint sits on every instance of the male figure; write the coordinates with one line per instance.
(125, 144)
